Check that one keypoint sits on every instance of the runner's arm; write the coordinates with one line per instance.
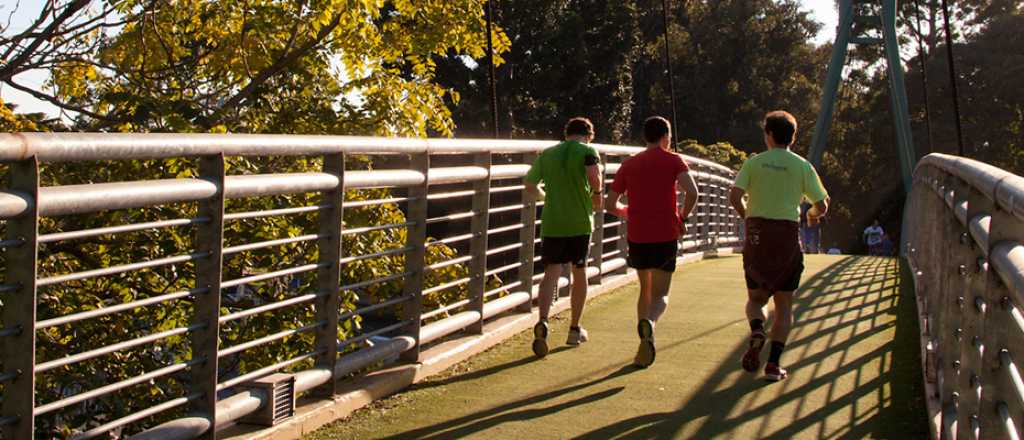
(612, 205)
(534, 191)
(686, 184)
(596, 185)
(736, 199)
(819, 209)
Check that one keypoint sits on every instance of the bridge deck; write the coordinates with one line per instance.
(852, 357)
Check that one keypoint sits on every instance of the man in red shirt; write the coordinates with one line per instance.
(649, 180)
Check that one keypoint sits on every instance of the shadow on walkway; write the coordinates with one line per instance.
(822, 312)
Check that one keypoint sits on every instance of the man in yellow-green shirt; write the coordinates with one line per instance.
(775, 182)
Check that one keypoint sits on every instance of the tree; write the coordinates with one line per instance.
(340, 66)
(567, 58)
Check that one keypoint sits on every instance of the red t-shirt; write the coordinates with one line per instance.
(648, 179)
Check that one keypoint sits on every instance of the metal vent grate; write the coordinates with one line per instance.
(279, 406)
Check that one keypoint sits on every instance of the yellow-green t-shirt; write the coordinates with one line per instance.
(776, 181)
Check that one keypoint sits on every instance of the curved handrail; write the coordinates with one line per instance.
(964, 226)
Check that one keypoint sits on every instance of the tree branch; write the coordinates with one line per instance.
(8, 70)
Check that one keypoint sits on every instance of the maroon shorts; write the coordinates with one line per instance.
(772, 259)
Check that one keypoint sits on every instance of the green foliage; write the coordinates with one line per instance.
(722, 153)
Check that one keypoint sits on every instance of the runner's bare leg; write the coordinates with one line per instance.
(579, 294)
(547, 289)
(643, 302)
(783, 321)
(658, 299)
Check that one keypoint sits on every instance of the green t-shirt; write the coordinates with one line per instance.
(776, 181)
(568, 210)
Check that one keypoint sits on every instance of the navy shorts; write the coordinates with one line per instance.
(661, 255)
(562, 250)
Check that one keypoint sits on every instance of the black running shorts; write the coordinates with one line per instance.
(661, 255)
(562, 250)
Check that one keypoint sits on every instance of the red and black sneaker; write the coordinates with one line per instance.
(752, 358)
(774, 373)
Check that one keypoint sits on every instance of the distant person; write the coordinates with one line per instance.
(810, 231)
(887, 248)
(649, 180)
(572, 191)
(775, 182)
(873, 237)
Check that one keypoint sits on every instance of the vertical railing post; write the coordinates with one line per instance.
(704, 216)
(997, 387)
(205, 340)
(597, 238)
(19, 306)
(478, 245)
(527, 236)
(973, 308)
(951, 306)
(328, 276)
(622, 244)
(415, 256)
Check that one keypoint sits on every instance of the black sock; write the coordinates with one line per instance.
(776, 352)
(574, 327)
(756, 325)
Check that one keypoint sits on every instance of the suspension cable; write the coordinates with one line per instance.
(490, 74)
(671, 80)
(922, 56)
(952, 78)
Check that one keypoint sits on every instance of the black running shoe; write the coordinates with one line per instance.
(540, 339)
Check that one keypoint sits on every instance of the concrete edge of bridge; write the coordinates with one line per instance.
(933, 404)
(312, 413)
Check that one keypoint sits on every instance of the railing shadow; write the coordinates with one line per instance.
(721, 407)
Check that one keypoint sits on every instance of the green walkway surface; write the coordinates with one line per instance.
(852, 358)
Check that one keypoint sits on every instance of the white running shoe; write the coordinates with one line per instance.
(577, 337)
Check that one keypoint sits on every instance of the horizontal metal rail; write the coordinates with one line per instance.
(269, 243)
(86, 355)
(301, 299)
(104, 390)
(265, 370)
(114, 270)
(382, 254)
(271, 275)
(109, 310)
(110, 230)
(269, 338)
(274, 212)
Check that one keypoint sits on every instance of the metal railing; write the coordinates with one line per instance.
(499, 254)
(963, 231)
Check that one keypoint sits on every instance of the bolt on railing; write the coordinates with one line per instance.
(493, 250)
(963, 229)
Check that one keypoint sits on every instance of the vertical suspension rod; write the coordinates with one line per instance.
(952, 78)
(490, 73)
(922, 56)
(671, 77)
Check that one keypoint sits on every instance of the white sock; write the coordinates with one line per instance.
(658, 306)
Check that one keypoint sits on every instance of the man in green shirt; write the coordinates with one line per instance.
(572, 191)
(775, 182)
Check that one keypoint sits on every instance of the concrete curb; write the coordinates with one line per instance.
(315, 412)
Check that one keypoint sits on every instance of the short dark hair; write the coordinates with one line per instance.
(655, 128)
(579, 126)
(781, 126)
